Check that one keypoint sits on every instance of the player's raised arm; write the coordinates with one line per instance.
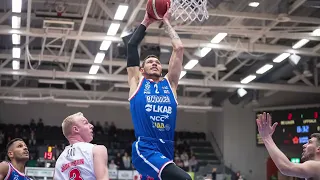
(4, 168)
(175, 63)
(133, 59)
(305, 170)
(100, 162)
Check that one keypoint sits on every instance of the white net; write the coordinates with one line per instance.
(189, 10)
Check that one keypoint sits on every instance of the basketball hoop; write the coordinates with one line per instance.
(189, 9)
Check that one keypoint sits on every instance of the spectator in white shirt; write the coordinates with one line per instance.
(112, 165)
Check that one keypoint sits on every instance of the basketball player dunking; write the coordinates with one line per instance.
(153, 106)
(309, 169)
(18, 154)
(81, 160)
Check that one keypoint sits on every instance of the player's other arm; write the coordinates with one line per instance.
(176, 59)
(304, 170)
(133, 59)
(4, 168)
(100, 162)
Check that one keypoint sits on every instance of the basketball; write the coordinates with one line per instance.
(157, 8)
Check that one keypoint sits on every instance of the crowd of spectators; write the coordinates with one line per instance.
(184, 156)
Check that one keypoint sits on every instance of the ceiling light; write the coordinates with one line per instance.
(281, 57)
(295, 59)
(264, 69)
(15, 64)
(241, 92)
(16, 6)
(99, 58)
(300, 43)
(248, 79)
(52, 81)
(16, 22)
(94, 69)
(316, 32)
(121, 12)
(218, 38)
(113, 29)
(183, 73)
(254, 4)
(105, 45)
(16, 39)
(204, 51)
(191, 64)
(16, 52)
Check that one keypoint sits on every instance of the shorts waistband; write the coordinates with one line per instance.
(143, 138)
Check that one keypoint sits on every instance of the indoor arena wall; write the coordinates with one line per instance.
(53, 114)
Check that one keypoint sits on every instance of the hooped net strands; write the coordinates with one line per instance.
(189, 9)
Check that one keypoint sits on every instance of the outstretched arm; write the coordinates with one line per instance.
(133, 59)
(266, 129)
(304, 170)
(175, 63)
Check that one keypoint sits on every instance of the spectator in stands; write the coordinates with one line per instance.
(106, 127)
(16, 133)
(184, 156)
(33, 125)
(112, 129)
(40, 124)
(2, 143)
(186, 164)
(179, 163)
(193, 163)
(98, 128)
(32, 138)
(126, 159)
(24, 135)
(112, 165)
(214, 174)
(118, 161)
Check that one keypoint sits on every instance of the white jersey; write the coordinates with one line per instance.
(75, 162)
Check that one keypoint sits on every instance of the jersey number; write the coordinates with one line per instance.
(156, 87)
(75, 174)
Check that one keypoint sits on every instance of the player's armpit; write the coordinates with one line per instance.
(100, 162)
(309, 169)
(4, 168)
(133, 74)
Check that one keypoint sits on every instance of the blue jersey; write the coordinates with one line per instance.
(153, 109)
(14, 174)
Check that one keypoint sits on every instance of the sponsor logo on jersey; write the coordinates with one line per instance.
(73, 163)
(159, 125)
(157, 99)
(167, 127)
(166, 91)
(160, 118)
(158, 108)
(147, 88)
(165, 87)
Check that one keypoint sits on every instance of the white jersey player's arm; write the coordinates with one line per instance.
(100, 162)
(4, 168)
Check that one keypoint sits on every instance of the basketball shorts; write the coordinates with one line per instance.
(150, 156)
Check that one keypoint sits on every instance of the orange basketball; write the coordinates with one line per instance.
(157, 8)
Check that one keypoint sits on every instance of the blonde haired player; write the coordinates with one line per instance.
(81, 160)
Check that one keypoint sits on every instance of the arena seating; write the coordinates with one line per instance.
(118, 141)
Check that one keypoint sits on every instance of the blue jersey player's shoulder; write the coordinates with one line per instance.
(13, 173)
